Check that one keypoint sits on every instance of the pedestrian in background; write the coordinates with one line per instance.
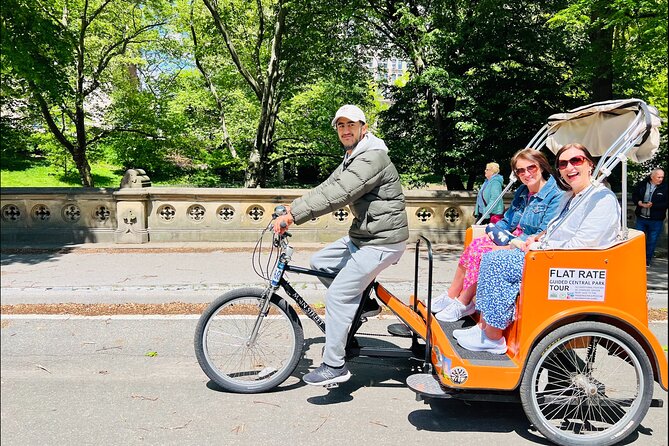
(490, 190)
(650, 197)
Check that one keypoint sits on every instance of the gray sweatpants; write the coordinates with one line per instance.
(356, 268)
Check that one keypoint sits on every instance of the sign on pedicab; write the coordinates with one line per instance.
(576, 284)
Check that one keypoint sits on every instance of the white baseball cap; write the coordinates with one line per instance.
(349, 111)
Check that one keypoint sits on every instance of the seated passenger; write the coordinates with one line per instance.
(534, 205)
(595, 223)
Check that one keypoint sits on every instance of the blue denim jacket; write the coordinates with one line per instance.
(533, 217)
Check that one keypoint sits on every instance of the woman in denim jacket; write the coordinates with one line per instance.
(534, 205)
(595, 223)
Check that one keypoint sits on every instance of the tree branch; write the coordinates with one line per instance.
(231, 49)
(53, 127)
(261, 33)
(109, 54)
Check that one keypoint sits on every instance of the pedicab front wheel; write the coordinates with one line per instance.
(587, 383)
(235, 359)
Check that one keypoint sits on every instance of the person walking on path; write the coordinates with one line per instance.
(490, 190)
(368, 182)
(650, 197)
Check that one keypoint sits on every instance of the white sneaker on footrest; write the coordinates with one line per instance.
(456, 311)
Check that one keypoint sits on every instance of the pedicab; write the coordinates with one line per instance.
(581, 358)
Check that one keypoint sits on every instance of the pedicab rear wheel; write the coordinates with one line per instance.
(587, 383)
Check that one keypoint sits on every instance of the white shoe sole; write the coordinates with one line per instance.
(336, 380)
(476, 348)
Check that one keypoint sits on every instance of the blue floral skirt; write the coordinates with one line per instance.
(498, 286)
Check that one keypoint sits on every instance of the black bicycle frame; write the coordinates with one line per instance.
(353, 349)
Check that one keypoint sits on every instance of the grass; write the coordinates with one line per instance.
(43, 175)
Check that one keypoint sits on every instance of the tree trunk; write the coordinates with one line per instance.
(83, 167)
(256, 174)
(443, 138)
(601, 47)
(267, 93)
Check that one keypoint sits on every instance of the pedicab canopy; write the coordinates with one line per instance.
(598, 126)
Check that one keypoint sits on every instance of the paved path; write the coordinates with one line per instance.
(89, 381)
(159, 273)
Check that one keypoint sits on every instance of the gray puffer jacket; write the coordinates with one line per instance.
(367, 181)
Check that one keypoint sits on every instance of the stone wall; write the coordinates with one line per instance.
(141, 214)
(33, 216)
(167, 214)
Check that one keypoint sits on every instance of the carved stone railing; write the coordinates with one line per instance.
(168, 214)
(33, 216)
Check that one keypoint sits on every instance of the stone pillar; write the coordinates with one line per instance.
(132, 200)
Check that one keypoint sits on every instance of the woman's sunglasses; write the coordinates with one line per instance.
(575, 161)
(529, 169)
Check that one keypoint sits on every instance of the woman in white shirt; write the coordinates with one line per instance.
(595, 223)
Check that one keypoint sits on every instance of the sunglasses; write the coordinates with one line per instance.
(529, 169)
(575, 161)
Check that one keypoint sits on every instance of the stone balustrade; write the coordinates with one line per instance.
(169, 214)
(129, 215)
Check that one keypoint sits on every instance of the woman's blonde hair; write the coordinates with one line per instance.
(493, 166)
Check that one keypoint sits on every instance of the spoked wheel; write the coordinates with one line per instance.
(587, 383)
(228, 356)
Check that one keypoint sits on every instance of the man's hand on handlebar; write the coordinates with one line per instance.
(282, 222)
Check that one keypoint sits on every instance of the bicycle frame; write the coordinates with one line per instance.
(353, 349)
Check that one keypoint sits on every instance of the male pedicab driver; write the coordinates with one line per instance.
(368, 182)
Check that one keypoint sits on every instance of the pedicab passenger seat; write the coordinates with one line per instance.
(565, 285)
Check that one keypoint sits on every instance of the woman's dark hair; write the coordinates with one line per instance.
(536, 157)
(562, 184)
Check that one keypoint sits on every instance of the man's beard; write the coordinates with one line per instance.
(355, 144)
(351, 147)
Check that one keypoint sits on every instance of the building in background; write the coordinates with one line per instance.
(387, 70)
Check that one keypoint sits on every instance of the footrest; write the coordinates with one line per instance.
(427, 384)
(400, 330)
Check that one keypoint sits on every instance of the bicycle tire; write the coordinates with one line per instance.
(220, 342)
(572, 403)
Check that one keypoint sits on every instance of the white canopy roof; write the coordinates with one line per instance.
(597, 126)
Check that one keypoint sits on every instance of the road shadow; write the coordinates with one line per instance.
(366, 371)
(459, 416)
(31, 256)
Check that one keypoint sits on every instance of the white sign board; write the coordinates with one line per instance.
(576, 284)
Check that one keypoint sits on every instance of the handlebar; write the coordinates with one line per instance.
(279, 210)
(280, 239)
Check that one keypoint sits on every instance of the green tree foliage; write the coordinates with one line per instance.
(491, 73)
(234, 92)
(622, 47)
(64, 52)
(283, 50)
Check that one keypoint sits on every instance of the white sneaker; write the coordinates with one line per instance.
(440, 302)
(471, 331)
(456, 311)
(483, 344)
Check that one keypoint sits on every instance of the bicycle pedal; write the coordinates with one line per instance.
(331, 386)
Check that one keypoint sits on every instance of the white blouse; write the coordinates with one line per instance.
(593, 224)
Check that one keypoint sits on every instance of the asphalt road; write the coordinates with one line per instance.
(90, 381)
